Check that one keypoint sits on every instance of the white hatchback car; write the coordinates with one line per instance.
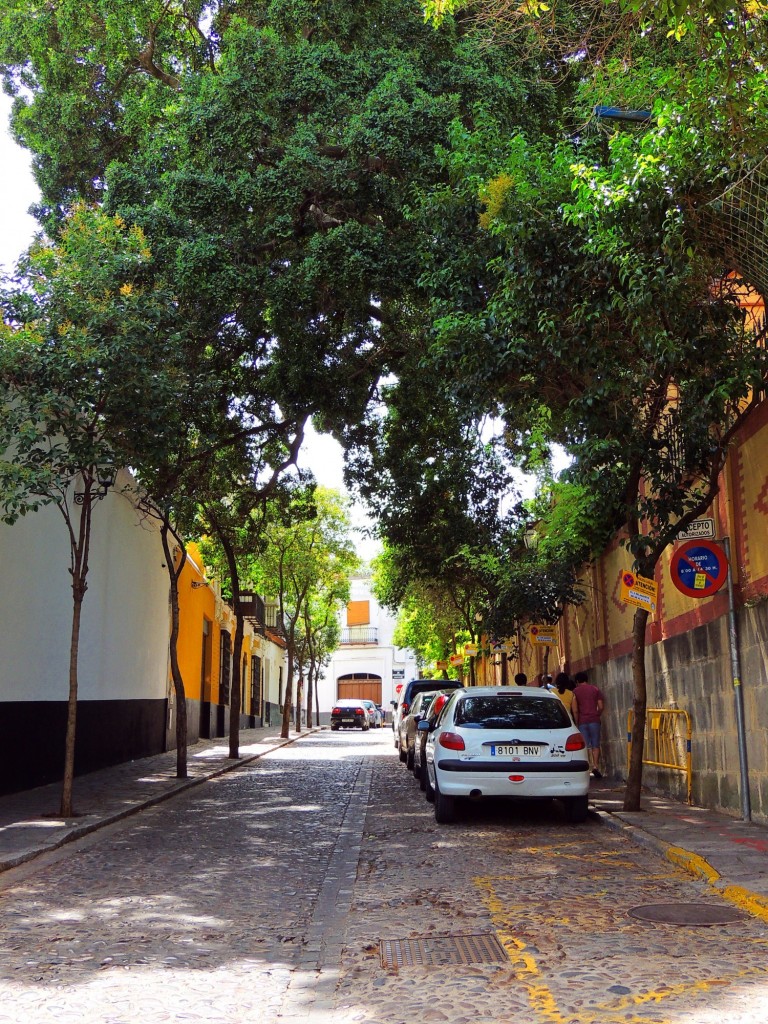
(505, 741)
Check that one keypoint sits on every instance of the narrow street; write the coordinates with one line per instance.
(264, 895)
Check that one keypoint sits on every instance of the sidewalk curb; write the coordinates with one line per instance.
(693, 863)
(178, 786)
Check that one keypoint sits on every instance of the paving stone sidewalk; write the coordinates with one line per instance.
(29, 822)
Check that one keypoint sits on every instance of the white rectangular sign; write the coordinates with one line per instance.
(699, 529)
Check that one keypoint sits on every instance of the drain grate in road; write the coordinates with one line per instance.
(439, 950)
(686, 914)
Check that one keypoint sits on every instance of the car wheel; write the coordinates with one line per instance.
(445, 808)
(576, 808)
(334, 728)
(416, 770)
(401, 754)
(366, 728)
(409, 760)
(429, 792)
(422, 777)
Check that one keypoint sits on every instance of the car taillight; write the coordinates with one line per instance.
(359, 711)
(336, 711)
(575, 742)
(451, 741)
(405, 707)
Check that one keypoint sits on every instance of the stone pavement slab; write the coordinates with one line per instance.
(29, 821)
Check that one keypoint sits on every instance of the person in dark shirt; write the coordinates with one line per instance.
(587, 710)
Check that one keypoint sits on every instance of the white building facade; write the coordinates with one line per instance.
(367, 663)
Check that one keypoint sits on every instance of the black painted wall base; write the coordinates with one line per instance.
(108, 732)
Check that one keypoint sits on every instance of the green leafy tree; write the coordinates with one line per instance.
(321, 621)
(308, 543)
(269, 151)
(233, 511)
(79, 373)
(607, 325)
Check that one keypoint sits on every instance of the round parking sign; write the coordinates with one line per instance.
(699, 568)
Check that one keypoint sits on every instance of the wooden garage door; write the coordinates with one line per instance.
(367, 687)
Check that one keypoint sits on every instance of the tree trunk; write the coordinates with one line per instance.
(66, 809)
(286, 727)
(639, 704)
(317, 698)
(299, 697)
(235, 695)
(174, 573)
(310, 691)
(79, 549)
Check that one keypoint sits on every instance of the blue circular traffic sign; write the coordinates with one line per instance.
(699, 568)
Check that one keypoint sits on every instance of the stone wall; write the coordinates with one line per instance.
(692, 671)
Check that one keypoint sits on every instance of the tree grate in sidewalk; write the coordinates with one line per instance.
(440, 950)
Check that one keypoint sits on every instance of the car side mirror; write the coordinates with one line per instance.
(393, 703)
(424, 726)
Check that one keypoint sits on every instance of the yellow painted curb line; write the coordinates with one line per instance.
(742, 898)
(692, 863)
(746, 900)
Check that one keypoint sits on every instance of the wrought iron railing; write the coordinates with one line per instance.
(360, 635)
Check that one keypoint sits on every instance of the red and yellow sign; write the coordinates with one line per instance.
(441, 665)
(457, 659)
(639, 591)
(544, 635)
(470, 650)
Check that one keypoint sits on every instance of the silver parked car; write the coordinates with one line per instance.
(505, 741)
(374, 714)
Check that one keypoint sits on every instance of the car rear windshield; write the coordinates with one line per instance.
(505, 712)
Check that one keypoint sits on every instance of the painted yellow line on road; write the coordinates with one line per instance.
(542, 1001)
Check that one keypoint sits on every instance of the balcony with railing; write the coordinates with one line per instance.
(359, 635)
(253, 609)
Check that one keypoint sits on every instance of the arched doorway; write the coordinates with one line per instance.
(360, 684)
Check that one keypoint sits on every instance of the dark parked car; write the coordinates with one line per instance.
(408, 725)
(350, 713)
(419, 764)
(409, 691)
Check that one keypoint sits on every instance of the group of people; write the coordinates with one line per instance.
(584, 702)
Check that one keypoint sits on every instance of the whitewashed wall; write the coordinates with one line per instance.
(124, 633)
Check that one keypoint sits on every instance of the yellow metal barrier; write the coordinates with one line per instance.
(665, 746)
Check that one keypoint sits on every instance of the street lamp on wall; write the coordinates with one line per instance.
(531, 538)
(106, 476)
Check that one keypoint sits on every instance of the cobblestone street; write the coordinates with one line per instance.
(264, 894)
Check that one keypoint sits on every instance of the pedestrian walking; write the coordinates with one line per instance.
(587, 710)
(564, 690)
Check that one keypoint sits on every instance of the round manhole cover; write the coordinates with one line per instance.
(686, 914)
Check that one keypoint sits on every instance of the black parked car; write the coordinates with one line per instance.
(350, 713)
